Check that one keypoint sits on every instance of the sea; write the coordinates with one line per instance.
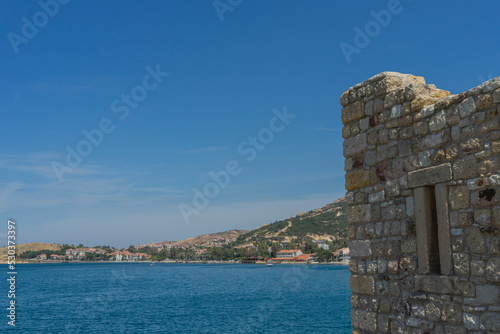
(177, 298)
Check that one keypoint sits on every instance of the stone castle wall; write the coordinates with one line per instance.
(422, 179)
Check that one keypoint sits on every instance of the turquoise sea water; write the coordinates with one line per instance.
(179, 298)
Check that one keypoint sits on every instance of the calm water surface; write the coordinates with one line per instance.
(179, 298)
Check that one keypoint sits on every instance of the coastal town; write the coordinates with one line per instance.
(199, 253)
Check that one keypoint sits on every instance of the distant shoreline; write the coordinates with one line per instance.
(178, 262)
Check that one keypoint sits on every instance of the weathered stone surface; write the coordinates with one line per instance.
(467, 107)
(471, 321)
(344, 99)
(487, 294)
(360, 248)
(430, 176)
(359, 214)
(461, 264)
(459, 197)
(496, 96)
(468, 289)
(437, 284)
(357, 179)
(484, 101)
(438, 121)
(452, 313)
(377, 197)
(363, 320)
(364, 285)
(433, 140)
(471, 146)
(490, 321)
(488, 166)
(432, 312)
(493, 270)
(355, 145)
(423, 198)
(352, 112)
(491, 85)
(396, 111)
(410, 208)
(477, 268)
(483, 217)
(465, 168)
(392, 187)
(475, 241)
(490, 125)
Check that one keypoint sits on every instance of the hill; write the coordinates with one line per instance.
(222, 237)
(328, 223)
(32, 246)
(213, 238)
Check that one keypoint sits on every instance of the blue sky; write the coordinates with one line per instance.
(225, 78)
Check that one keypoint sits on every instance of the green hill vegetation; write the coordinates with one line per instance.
(328, 223)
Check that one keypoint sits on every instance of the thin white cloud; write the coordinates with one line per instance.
(6, 194)
(327, 129)
(209, 149)
(402, 46)
(105, 84)
(41, 164)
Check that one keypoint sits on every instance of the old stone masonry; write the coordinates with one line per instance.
(423, 182)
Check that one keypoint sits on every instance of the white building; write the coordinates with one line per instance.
(321, 244)
(289, 253)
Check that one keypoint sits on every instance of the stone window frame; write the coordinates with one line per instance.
(432, 219)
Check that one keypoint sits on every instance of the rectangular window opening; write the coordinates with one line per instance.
(433, 235)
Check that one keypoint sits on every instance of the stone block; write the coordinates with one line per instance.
(396, 111)
(357, 179)
(484, 101)
(471, 321)
(438, 121)
(496, 96)
(461, 263)
(472, 145)
(364, 285)
(459, 197)
(355, 145)
(359, 214)
(490, 85)
(493, 270)
(491, 322)
(467, 107)
(429, 176)
(360, 248)
(377, 197)
(487, 294)
(437, 284)
(353, 112)
(475, 241)
(452, 313)
(465, 168)
(477, 268)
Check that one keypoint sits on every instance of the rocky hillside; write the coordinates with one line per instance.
(328, 223)
(220, 237)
